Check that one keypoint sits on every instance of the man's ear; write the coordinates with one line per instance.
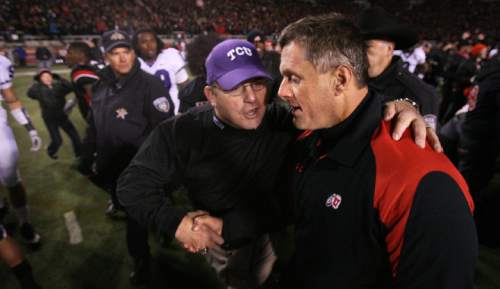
(390, 48)
(209, 94)
(341, 77)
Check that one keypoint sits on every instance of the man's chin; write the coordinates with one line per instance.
(299, 124)
(251, 123)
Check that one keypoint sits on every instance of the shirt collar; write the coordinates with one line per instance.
(345, 142)
(387, 76)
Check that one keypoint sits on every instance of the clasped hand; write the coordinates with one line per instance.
(198, 231)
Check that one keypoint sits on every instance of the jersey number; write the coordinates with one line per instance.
(163, 75)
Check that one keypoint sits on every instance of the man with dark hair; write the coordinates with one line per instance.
(383, 34)
(127, 103)
(166, 64)
(370, 212)
(455, 81)
(270, 59)
(44, 57)
(197, 50)
(83, 75)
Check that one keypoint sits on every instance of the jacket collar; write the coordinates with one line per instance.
(345, 142)
(108, 76)
(387, 76)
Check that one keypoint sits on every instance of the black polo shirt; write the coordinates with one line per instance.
(371, 212)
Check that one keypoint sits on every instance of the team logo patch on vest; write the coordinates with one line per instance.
(121, 113)
(334, 201)
(161, 104)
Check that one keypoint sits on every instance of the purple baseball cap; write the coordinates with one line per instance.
(232, 62)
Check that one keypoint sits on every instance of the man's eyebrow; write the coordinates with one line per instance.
(288, 72)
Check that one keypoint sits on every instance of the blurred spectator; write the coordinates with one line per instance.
(196, 53)
(44, 57)
(481, 130)
(20, 56)
(270, 59)
(50, 91)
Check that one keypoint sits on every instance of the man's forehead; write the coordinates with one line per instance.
(292, 54)
(120, 49)
(378, 42)
(146, 35)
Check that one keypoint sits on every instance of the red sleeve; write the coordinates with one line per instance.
(400, 167)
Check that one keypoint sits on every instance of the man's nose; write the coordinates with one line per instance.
(284, 91)
(249, 93)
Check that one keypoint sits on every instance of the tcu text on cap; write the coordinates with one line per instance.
(240, 50)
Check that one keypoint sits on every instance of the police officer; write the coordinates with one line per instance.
(383, 34)
(127, 103)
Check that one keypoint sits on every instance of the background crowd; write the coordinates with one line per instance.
(55, 17)
(457, 56)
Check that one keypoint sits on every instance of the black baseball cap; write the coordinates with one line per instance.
(115, 38)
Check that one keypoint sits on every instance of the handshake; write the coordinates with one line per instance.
(198, 232)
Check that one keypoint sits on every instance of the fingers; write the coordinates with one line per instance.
(433, 140)
(402, 122)
(389, 110)
(212, 222)
(196, 214)
(419, 131)
(203, 238)
(189, 248)
(214, 237)
(198, 230)
(211, 238)
(408, 117)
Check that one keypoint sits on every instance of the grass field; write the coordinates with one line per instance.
(101, 260)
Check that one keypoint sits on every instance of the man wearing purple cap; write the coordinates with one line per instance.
(230, 156)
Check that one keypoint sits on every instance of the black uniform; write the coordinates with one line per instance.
(371, 212)
(481, 130)
(232, 173)
(397, 82)
(81, 76)
(123, 113)
(52, 102)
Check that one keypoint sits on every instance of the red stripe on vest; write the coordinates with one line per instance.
(400, 166)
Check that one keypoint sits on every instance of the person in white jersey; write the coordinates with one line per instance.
(9, 173)
(166, 64)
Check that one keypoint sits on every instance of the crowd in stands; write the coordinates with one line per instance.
(55, 17)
